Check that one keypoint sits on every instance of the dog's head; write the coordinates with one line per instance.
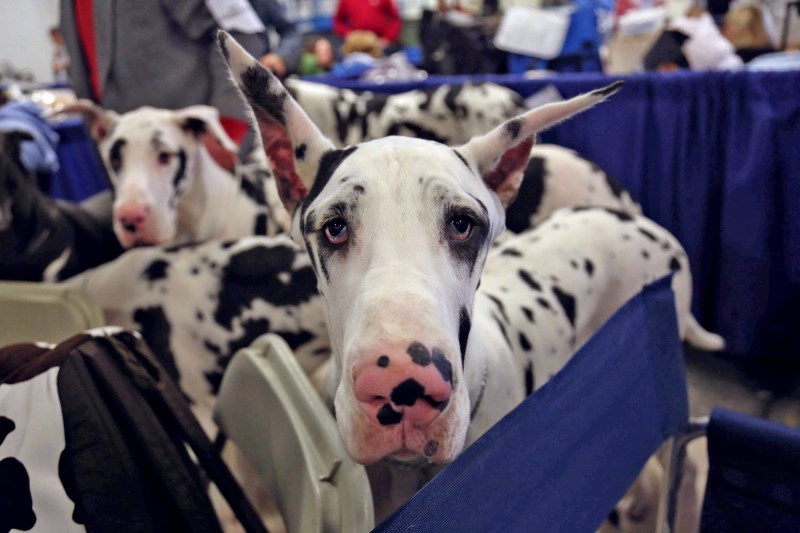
(397, 230)
(150, 156)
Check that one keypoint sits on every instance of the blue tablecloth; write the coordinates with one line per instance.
(715, 158)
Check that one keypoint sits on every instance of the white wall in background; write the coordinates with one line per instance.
(24, 37)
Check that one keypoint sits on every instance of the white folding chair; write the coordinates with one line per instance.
(269, 409)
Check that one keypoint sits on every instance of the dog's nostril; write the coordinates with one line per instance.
(129, 227)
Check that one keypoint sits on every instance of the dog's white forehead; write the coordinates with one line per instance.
(145, 125)
(396, 168)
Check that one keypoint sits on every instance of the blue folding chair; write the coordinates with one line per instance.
(753, 478)
(562, 458)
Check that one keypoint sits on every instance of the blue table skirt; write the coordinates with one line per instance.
(81, 174)
(715, 158)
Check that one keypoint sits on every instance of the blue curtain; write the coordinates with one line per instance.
(562, 458)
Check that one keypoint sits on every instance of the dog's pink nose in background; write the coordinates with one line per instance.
(132, 216)
(412, 385)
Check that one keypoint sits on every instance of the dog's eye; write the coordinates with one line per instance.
(336, 231)
(460, 227)
(164, 158)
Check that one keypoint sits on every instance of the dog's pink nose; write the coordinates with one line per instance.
(132, 216)
(412, 385)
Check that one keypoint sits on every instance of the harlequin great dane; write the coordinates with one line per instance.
(423, 359)
(168, 188)
(451, 114)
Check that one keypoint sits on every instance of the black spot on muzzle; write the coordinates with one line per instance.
(388, 416)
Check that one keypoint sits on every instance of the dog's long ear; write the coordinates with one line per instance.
(502, 154)
(99, 120)
(291, 140)
(201, 120)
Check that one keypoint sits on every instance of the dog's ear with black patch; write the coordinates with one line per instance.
(502, 154)
(292, 142)
(201, 120)
(100, 121)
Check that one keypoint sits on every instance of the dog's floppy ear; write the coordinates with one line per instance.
(99, 120)
(201, 120)
(502, 154)
(291, 140)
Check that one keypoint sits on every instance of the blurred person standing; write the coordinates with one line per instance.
(285, 59)
(381, 17)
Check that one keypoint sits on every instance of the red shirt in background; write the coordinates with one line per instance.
(378, 16)
(84, 20)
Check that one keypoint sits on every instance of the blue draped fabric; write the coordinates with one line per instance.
(753, 477)
(81, 174)
(715, 158)
(562, 458)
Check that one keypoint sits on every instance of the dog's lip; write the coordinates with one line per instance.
(407, 458)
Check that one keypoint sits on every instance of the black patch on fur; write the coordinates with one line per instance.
(512, 252)
(461, 157)
(431, 448)
(529, 280)
(529, 197)
(616, 187)
(444, 366)
(223, 46)
(524, 343)
(544, 303)
(588, 266)
(156, 270)
(328, 164)
(567, 302)
(417, 131)
(674, 265)
(500, 306)
(156, 330)
(645, 254)
(388, 416)
(261, 225)
(115, 154)
(450, 100)
(529, 379)
(359, 189)
(383, 361)
(621, 215)
(407, 392)
(609, 90)
(648, 234)
(295, 339)
(254, 191)
(464, 326)
(181, 172)
(300, 152)
(513, 127)
(256, 82)
(502, 328)
(254, 274)
(528, 312)
(419, 353)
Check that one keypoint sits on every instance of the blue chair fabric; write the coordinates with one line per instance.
(754, 475)
(562, 458)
